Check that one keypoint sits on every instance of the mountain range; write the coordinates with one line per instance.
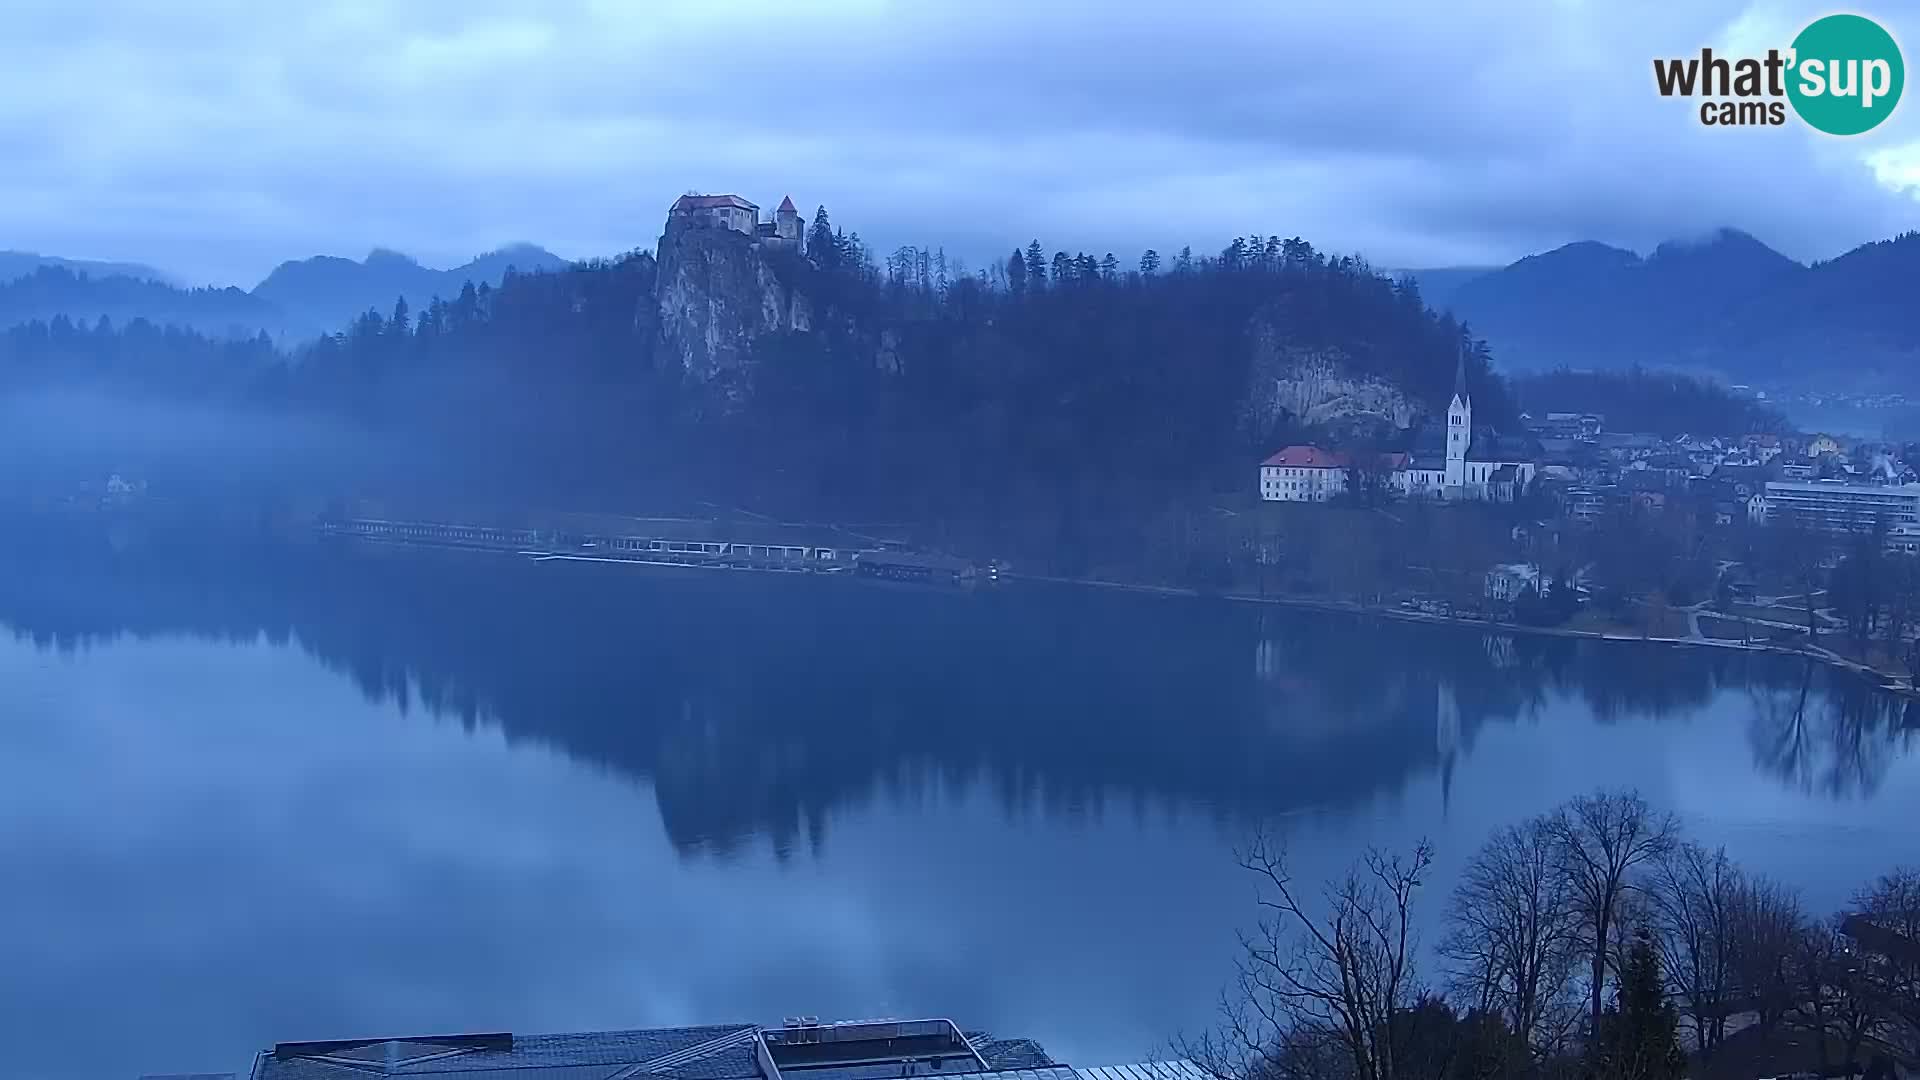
(1723, 304)
(299, 299)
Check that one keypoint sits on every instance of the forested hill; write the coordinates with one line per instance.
(326, 292)
(1065, 389)
(1663, 402)
(51, 292)
(1725, 304)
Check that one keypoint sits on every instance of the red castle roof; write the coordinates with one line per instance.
(786, 206)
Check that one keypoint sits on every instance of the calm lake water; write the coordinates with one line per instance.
(250, 796)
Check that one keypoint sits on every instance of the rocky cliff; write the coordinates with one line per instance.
(719, 292)
(1321, 390)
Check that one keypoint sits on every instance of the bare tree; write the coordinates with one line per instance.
(1320, 983)
(1511, 933)
(1599, 840)
(1836, 999)
(1693, 895)
(1887, 927)
(1767, 924)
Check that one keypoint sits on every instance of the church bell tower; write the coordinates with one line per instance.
(1459, 426)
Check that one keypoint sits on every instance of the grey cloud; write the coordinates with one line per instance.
(224, 137)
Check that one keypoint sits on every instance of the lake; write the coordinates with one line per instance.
(261, 794)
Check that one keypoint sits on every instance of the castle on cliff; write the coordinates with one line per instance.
(783, 230)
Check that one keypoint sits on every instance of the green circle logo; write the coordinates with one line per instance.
(1846, 74)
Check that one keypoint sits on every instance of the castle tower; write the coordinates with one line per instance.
(786, 221)
(1459, 426)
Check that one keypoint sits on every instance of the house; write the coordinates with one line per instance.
(1565, 425)
(1304, 474)
(1585, 504)
(1507, 581)
(1823, 444)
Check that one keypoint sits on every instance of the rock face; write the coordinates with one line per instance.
(719, 292)
(1319, 389)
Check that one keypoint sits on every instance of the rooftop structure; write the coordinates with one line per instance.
(1838, 507)
(1307, 457)
(783, 230)
(801, 1049)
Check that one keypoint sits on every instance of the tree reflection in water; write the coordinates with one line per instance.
(1838, 742)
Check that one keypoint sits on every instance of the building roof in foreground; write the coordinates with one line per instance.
(722, 1052)
(713, 1052)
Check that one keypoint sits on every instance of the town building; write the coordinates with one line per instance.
(1454, 462)
(783, 230)
(1462, 462)
(1834, 506)
(801, 1049)
(1304, 474)
(1506, 581)
(715, 211)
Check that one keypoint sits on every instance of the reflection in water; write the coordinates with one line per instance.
(316, 792)
(1839, 743)
(758, 708)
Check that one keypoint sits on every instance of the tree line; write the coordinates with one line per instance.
(1595, 940)
(1068, 398)
(1662, 402)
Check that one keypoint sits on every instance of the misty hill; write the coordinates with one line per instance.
(1725, 304)
(51, 292)
(1439, 284)
(19, 264)
(328, 292)
(1069, 402)
(298, 301)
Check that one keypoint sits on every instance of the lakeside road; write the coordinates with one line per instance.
(1888, 680)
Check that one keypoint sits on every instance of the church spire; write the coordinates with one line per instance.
(1460, 375)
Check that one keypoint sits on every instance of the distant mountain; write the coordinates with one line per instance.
(1439, 284)
(18, 264)
(1723, 303)
(298, 300)
(328, 292)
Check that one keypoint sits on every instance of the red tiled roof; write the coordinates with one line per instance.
(1307, 457)
(786, 206)
(708, 202)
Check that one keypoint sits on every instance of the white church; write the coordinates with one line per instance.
(1455, 463)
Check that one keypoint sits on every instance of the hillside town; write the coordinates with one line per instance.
(1755, 537)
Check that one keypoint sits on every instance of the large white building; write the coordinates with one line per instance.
(1835, 506)
(1303, 474)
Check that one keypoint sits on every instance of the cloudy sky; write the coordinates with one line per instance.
(215, 138)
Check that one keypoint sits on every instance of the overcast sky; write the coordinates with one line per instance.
(215, 138)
